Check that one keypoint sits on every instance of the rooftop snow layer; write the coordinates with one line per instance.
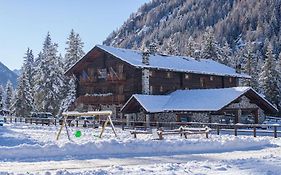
(173, 63)
(191, 100)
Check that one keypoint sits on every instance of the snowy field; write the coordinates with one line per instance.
(32, 149)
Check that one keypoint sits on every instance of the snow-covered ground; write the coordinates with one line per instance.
(32, 149)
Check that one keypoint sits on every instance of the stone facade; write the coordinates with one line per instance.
(206, 117)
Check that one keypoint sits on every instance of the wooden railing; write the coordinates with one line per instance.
(216, 128)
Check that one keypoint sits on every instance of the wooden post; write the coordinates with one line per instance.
(160, 134)
(147, 120)
(123, 125)
(235, 130)
(55, 122)
(181, 130)
(11, 120)
(275, 131)
(76, 123)
(255, 131)
(218, 129)
(15, 119)
(5, 120)
(62, 125)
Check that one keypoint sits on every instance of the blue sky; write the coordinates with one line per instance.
(25, 23)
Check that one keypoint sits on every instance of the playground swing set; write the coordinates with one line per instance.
(96, 114)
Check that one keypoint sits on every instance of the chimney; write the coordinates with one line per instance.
(145, 57)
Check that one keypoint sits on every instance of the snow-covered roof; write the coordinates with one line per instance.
(173, 63)
(193, 100)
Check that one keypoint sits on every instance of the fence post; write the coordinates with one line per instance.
(235, 130)
(11, 120)
(76, 123)
(5, 120)
(218, 130)
(15, 119)
(123, 125)
(255, 131)
(275, 131)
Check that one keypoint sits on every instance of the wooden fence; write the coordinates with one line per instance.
(216, 128)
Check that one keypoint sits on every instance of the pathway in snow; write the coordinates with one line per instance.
(266, 161)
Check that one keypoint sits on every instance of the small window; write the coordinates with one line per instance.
(84, 75)
(202, 82)
(230, 80)
(211, 78)
(120, 68)
(161, 89)
(151, 89)
(169, 75)
(121, 89)
(186, 76)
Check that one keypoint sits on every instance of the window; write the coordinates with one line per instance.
(121, 89)
(120, 68)
(161, 88)
(230, 80)
(186, 76)
(169, 75)
(211, 78)
(202, 82)
(151, 89)
(84, 75)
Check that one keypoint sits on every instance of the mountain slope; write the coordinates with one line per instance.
(232, 20)
(7, 74)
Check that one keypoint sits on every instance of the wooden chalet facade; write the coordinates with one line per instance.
(107, 77)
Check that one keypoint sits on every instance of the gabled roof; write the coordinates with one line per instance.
(168, 62)
(198, 100)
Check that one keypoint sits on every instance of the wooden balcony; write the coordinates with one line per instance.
(96, 100)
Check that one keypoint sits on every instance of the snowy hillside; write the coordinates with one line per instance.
(7, 74)
(28, 149)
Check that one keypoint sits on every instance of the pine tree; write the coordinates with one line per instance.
(71, 96)
(225, 55)
(8, 96)
(74, 51)
(278, 69)
(268, 78)
(209, 49)
(49, 77)
(191, 47)
(1, 97)
(250, 67)
(170, 47)
(24, 101)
